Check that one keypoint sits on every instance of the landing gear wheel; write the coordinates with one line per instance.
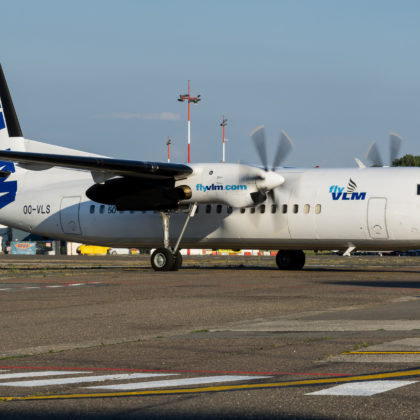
(290, 260)
(162, 259)
(177, 261)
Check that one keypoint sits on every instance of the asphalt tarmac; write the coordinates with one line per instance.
(225, 337)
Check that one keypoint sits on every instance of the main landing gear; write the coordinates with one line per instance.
(167, 258)
(290, 260)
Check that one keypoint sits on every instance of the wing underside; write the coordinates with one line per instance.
(106, 166)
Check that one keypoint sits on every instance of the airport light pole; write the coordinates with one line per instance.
(168, 143)
(195, 100)
(223, 124)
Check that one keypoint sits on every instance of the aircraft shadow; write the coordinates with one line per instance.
(378, 283)
(360, 270)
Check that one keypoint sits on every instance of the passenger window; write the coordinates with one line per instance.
(284, 209)
(295, 208)
(418, 189)
(229, 210)
(242, 211)
(318, 209)
(273, 208)
(92, 209)
(306, 208)
(262, 208)
(252, 210)
(208, 208)
(102, 209)
(219, 208)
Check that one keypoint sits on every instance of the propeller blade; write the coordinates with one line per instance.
(374, 156)
(272, 196)
(395, 142)
(284, 147)
(249, 173)
(258, 137)
(250, 178)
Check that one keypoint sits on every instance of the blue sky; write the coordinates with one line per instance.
(103, 76)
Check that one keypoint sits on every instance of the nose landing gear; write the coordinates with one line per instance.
(167, 258)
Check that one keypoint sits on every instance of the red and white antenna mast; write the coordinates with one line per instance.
(223, 124)
(168, 143)
(194, 100)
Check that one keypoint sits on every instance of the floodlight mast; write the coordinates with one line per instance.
(187, 97)
(223, 125)
(168, 143)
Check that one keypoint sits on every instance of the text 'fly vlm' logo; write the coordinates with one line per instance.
(219, 187)
(338, 192)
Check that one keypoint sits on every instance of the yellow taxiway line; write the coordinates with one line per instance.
(369, 377)
(382, 352)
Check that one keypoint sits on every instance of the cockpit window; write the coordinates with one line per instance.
(418, 189)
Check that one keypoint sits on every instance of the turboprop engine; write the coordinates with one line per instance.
(240, 185)
(235, 185)
(134, 194)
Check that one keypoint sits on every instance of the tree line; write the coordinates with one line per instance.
(407, 160)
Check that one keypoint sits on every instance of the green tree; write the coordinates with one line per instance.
(407, 160)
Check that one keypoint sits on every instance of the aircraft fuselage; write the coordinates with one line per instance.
(369, 208)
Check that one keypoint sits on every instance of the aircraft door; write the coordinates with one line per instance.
(69, 215)
(377, 218)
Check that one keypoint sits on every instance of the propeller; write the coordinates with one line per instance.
(258, 137)
(374, 156)
(395, 142)
(283, 149)
(268, 179)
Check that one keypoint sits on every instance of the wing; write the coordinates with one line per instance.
(105, 166)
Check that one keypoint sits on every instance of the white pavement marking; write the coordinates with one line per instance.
(53, 286)
(81, 379)
(40, 373)
(179, 382)
(363, 389)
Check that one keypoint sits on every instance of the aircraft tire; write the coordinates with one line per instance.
(178, 261)
(162, 259)
(290, 260)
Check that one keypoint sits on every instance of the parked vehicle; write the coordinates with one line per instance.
(92, 250)
(123, 251)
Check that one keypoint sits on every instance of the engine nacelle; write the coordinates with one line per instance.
(235, 185)
(137, 194)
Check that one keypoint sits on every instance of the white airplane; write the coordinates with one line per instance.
(76, 196)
